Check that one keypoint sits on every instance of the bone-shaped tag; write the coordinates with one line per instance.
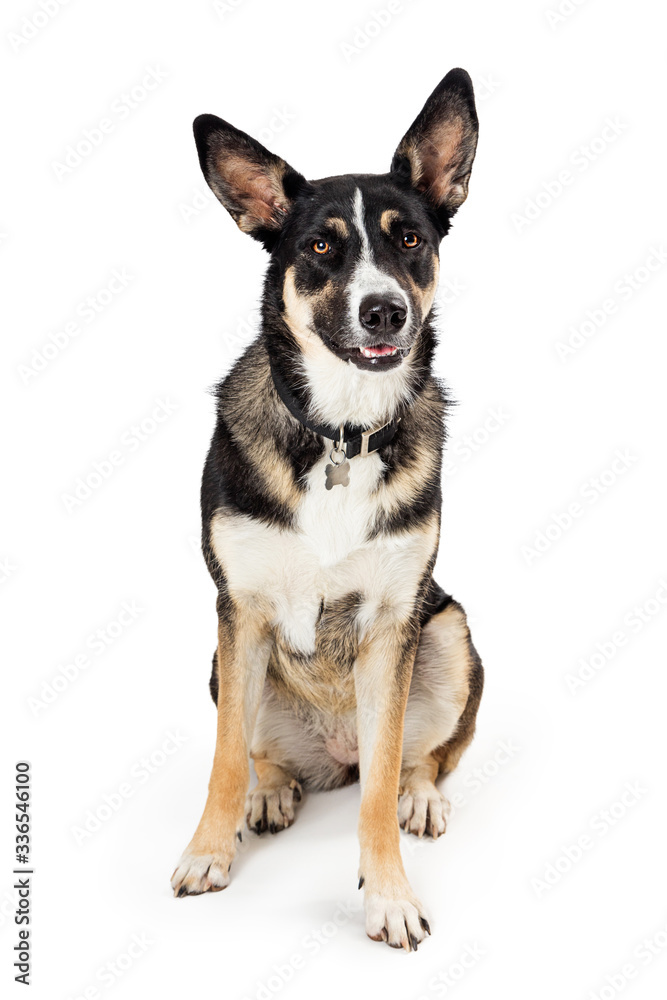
(338, 475)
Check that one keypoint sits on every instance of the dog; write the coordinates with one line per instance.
(339, 658)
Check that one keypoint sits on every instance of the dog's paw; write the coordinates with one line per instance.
(399, 922)
(423, 810)
(198, 873)
(271, 807)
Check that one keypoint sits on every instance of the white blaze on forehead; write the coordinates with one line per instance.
(367, 277)
(361, 225)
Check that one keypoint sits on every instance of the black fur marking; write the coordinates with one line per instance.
(238, 485)
(435, 601)
(213, 682)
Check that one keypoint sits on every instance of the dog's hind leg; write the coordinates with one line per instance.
(270, 804)
(445, 692)
(289, 750)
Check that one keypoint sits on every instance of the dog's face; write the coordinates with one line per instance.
(359, 267)
(355, 257)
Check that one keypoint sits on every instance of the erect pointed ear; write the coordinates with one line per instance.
(437, 151)
(256, 187)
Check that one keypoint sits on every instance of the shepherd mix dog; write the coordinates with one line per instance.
(339, 657)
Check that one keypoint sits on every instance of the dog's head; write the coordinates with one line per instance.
(355, 257)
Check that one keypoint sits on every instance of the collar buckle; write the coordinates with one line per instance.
(366, 436)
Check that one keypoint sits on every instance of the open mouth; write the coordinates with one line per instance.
(379, 351)
(374, 357)
(378, 357)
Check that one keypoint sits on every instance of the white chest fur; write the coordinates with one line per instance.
(324, 557)
(333, 523)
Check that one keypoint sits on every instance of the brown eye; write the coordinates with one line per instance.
(320, 246)
(411, 240)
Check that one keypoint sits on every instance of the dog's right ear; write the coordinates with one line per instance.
(256, 187)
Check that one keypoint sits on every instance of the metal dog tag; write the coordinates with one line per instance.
(338, 475)
(338, 472)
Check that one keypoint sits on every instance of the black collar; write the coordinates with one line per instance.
(356, 439)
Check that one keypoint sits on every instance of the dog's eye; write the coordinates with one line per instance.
(320, 246)
(411, 240)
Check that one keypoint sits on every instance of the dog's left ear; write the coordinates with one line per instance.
(437, 151)
(255, 186)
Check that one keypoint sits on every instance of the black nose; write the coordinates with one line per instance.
(381, 316)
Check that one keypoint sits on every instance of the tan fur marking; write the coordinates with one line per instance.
(407, 481)
(388, 216)
(238, 701)
(319, 682)
(424, 772)
(246, 416)
(298, 315)
(269, 774)
(463, 680)
(280, 477)
(339, 225)
(424, 297)
(298, 311)
(452, 622)
(382, 674)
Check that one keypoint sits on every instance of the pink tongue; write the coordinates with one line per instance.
(382, 349)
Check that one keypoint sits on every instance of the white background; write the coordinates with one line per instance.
(332, 96)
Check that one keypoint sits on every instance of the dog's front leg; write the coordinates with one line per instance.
(243, 653)
(382, 679)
